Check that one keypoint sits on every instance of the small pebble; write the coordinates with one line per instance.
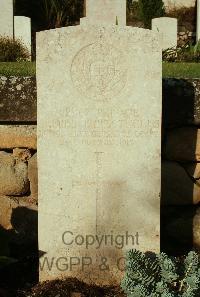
(76, 294)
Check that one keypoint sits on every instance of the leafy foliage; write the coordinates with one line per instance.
(149, 9)
(161, 276)
(12, 50)
(181, 70)
(186, 53)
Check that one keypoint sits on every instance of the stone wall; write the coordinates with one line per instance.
(18, 183)
(18, 166)
(180, 220)
(180, 195)
(18, 99)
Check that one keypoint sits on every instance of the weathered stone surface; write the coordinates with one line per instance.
(22, 154)
(178, 183)
(23, 31)
(18, 99)
(182, 144)
(168, 28)
(33, 176)
(180, 229)
(99, 118)
(6, 18)
(13, 175)
(113, 11)
(181, 102)
(18, 136)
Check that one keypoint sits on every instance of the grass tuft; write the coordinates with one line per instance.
(181, 70)
(17, 68)
(178, 70)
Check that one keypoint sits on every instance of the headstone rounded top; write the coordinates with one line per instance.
(165, 19)
(24, 17)
(139, 33)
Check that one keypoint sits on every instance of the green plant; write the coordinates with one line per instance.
(149, 275)
(12, 50)
(186, 53)
(149, 9)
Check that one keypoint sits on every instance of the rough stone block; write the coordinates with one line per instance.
(13, 175)
(181, 102)
(182, 144)
(33, 176)
(18, 227)
(178, 184)
(18, 136)
(180, 227)
(22, 154)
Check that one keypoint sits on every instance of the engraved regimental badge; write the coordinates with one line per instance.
(98, 71)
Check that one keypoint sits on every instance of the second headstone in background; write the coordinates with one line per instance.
(6, 18)
(105, 12)
(22, 27)
(168, 28)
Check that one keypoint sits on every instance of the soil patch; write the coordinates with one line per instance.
(70, 288)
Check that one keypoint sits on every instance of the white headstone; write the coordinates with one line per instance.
(105, 12)
(168, 28)
(6, 18)
(198, 21)
(99, 143)
(22, 30)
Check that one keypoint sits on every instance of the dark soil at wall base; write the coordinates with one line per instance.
(70, 288)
